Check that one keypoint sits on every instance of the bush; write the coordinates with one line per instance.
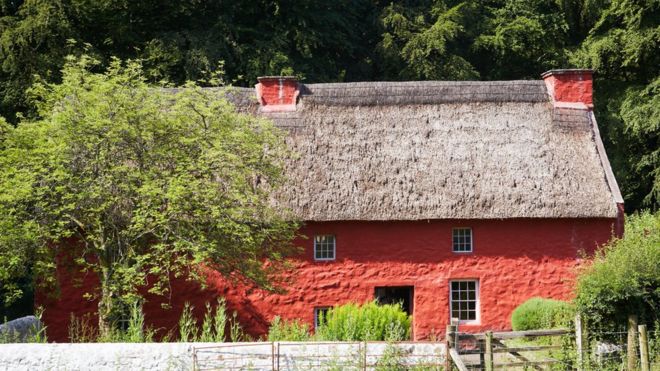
(624, 277)
(288, 330)
(540, 313)
(370, 321)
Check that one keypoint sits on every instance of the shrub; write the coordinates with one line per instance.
(370, 321)
(540, 313)
(288, 330)
(624, 277)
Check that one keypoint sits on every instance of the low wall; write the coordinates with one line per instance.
(187, 356)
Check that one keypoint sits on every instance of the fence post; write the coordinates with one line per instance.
(644, 348)
(272, 355)
(632, 342)
(449, 338)
(579, 341)
(489, 351)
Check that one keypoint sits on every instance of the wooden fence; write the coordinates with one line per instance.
(481, 350)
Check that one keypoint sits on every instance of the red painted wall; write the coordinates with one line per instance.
(513, 260)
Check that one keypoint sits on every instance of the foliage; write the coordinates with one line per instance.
(540, 313)
(624, 277)
(423, 41)
(370, 321)
(212, 329)
(525, 37)
(134, 182)
(294, 330)
(215, 323)
(188, 326)
(624, 49)
(349, 322)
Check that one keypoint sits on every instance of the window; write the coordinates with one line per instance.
(462, 239)
(465, 300)
(320, 316)
(324, 247)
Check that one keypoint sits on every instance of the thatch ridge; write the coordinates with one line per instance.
(423, 92)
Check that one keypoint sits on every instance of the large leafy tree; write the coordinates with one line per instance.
(624, 50)
(423, 42)
(522, 38)
(139, 185)
(180, 40)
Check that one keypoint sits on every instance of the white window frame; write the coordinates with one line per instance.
(317, 310)
(334, 247)
(477, 306)
(453, 230)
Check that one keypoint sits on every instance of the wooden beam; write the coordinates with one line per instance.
(458, 362)
(534, 364)
(526, 349)
(518, 355)
(515, 334)
(644, 348)
(632, 342)
(489, 351)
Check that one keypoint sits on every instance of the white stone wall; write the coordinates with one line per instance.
(217, 356)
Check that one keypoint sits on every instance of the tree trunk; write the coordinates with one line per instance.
(105, 306)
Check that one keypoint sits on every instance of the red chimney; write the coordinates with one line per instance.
(570, 88)
(277, 93)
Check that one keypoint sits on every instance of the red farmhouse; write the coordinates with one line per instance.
(461, 199)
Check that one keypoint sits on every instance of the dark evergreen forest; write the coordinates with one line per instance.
(363, 40)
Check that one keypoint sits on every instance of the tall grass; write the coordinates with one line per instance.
(294, 330)
(212, 329)
(187, 324)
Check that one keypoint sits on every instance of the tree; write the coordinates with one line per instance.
(422, 42)
(523, 38)
(624, 50)
(140, 185)
(624, 277)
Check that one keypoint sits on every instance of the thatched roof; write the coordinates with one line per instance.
(440, 150)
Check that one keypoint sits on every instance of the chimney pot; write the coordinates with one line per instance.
(570, 87)
(277, 93)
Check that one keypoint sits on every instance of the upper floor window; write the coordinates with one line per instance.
(462, 239)
(324, 247)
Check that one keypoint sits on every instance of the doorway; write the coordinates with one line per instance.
(396, 294)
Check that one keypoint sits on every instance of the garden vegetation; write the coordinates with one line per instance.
(137, 184)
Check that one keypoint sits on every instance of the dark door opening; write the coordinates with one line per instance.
(396, 294)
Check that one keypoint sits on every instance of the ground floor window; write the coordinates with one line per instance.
(320, 316)
(464, 300)
(396, 294)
